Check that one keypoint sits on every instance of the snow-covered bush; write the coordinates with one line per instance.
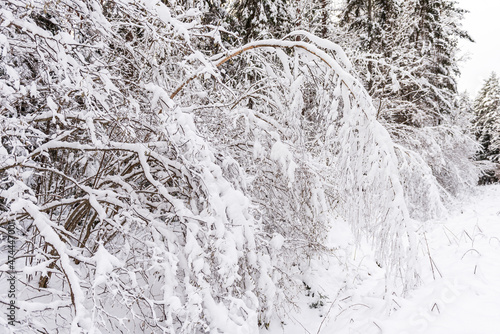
(304, 131)
(125, 220)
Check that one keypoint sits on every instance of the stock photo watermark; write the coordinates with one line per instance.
(11, 273)
(421, 320)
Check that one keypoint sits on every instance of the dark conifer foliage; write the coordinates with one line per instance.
(260, 18)
(410, 50)
(436, 36)
(487, 119)
(373, 20)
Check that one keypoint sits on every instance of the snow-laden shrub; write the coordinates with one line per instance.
(305, 132)
(124, 217)
(436, 166)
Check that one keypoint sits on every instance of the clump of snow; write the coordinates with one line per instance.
(281, 154)
(104, 264)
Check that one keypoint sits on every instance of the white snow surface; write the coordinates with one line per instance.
(459, 293)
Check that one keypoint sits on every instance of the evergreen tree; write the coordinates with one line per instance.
(436, 36)
(313, 16)
(254, 18)
(372, 22)
(372, 19)
(406, 54)
(487, 119)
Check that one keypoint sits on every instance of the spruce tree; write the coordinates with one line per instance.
(406, 53)
(371, 22)
(372, 19)
(487, 119)
(436, 36)
(254, 18)
(313, 16)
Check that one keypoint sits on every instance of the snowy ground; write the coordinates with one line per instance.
(459, 292)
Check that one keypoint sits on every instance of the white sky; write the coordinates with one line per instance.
(483, 24)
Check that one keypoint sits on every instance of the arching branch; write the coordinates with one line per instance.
(347, 79)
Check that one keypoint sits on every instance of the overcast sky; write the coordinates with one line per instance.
(483, 24)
